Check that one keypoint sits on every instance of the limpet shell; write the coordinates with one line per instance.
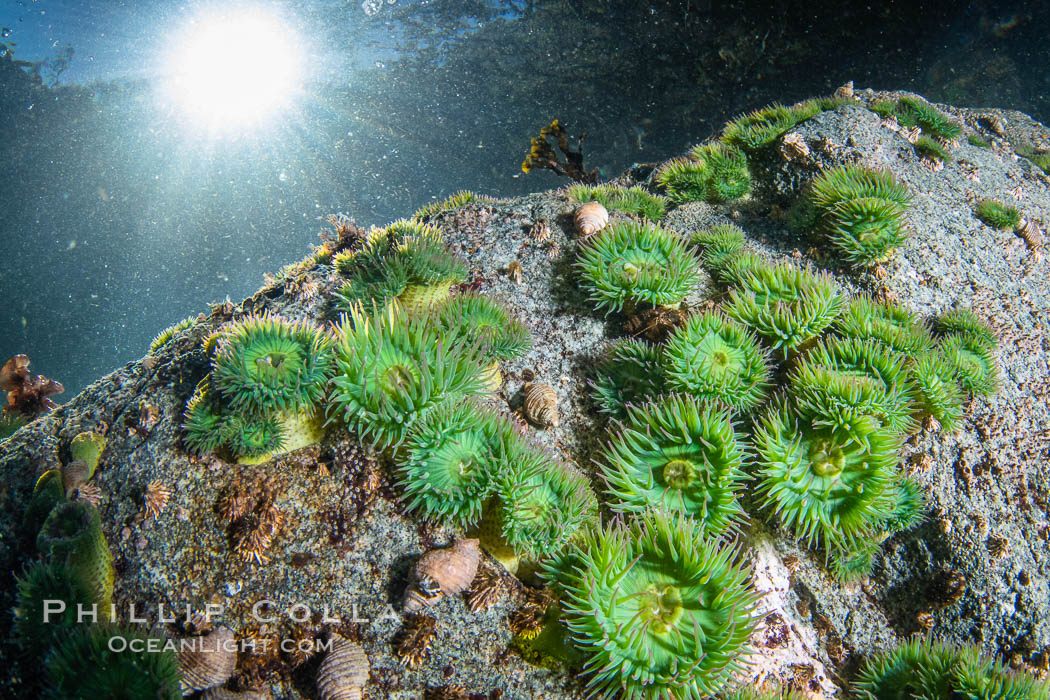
(344, 671)
(591, 218)
(442, 572)
(208, 662)
(541, 405)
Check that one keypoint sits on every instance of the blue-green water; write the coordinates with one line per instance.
(122, 215)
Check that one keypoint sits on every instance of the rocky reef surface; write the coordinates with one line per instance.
(976, 569)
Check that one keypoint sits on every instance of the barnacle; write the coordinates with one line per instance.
(825, 485)
(968, 324)
(715, 172)
(72, 536)
(543, 502)
(678, 453)
(784, 304)
(265, 364)
(478, 320)
(84, 665)
(974, 363)
(631, 200)
(391, 369)
(859, 209)
(450, 459)
(717, 358)
(764, 126)
(168, 333)
(660, 611)
(997, 215)
(628, 262)
(886, 322)
(630, 371)
(936, 392)
(406, 260)
(842, 360)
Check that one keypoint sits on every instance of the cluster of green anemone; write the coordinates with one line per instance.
(860, 211)
(407, 261)
(264, 392)
(859, 375)
(412, 384)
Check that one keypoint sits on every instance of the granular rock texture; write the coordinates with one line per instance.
(332, 546)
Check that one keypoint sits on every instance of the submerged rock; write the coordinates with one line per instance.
(333, 545)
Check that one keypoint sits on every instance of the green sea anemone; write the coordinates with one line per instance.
(922, 668)
(629, 263)
(929, 118)
(847, 402)
(718, 244)
(10, 422)
(631, 200)
(631, 371)
(543, 502)
(966, 323)
(168, 333)
(762, 127)
(264, 364)
(973, 362)
(252, 437)
(678, 453)
(714, 357)
(977, 141)
(784, 304)
(87, 664)
(997, 215)
(72, 536)
(203, 421)
(479, 320)
(843, 358)
(827, 486)
(453, 201)
(859, 209)
(407, 260)
(450, 461)
(931, 149)
(886, 322)
(906, 505)
(660, 611)
(40, 591)
(391, 369)
(936, 392)
(715, 172)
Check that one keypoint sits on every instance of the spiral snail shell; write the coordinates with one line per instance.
(208, 662)
(541, 405)
(442, 572)
(344, 671)
(591, 218)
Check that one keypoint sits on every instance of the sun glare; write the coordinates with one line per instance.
(233, 69)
